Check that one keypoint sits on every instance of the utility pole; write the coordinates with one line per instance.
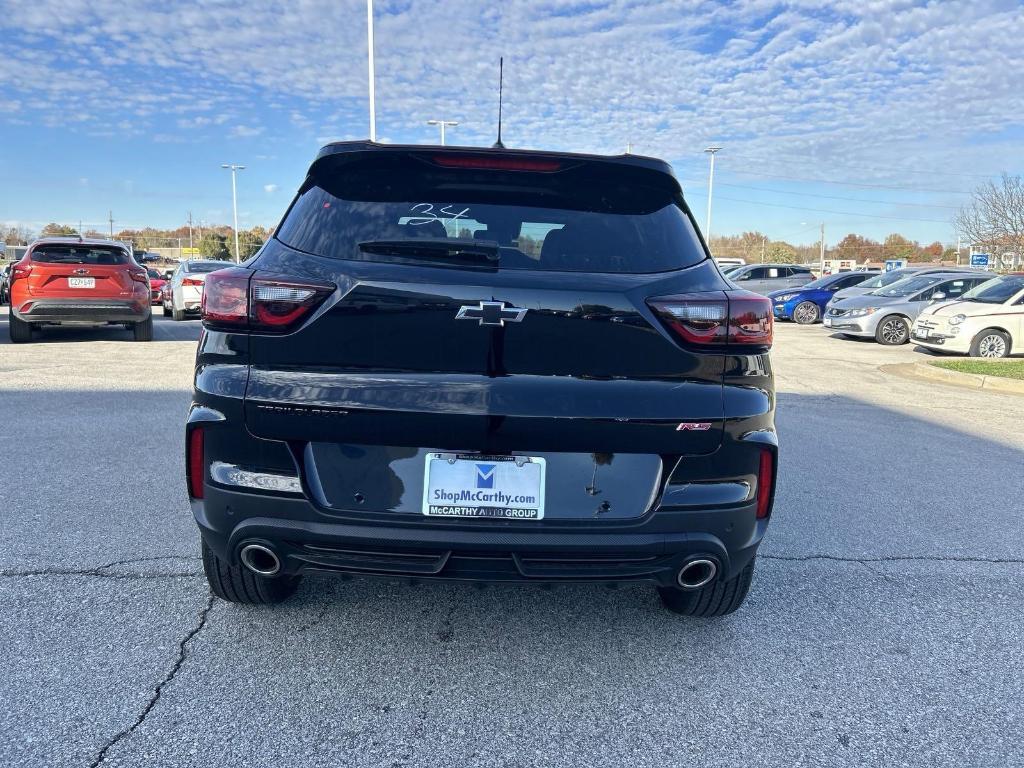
(234, 201)
(369, 48)
(711, 184)
(763, 239)
(190, 233)
(821, 269)
(110, 218)
(958, 250)
(629, 147)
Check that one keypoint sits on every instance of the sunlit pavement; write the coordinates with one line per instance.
(883, 627)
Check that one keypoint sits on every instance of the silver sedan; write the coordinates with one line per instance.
(888, 313)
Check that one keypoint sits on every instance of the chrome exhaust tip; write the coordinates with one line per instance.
(260, 560)
(697, 573)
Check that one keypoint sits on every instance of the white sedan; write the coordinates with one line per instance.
(186, 291)
(987, 321)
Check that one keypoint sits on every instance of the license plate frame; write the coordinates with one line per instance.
(458, 485)
(81, 282)
(827, 322)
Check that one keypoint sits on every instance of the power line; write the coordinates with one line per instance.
(837, 213)
(850, 183)
(839, 197)
(875, 168)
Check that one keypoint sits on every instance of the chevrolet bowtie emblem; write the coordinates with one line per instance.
(491, 313)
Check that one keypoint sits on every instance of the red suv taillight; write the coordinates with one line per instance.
(238, 298)
(194, 464)
(717, 318)
(193, 281)
(20, 270)
(139, 276)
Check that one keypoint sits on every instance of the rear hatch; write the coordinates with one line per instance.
(488, 309)
(80, 271)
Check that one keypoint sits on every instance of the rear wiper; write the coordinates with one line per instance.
(443, 251)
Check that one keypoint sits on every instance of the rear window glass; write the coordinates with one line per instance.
(584, 219)
(205, 266)
(79, 254)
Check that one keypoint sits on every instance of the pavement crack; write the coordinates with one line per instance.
(896, 559)
(102, 571)
(158, 690)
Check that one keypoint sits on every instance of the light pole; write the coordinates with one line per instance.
(711, 184)
(369, 47)
(442, 123)
(234, 202)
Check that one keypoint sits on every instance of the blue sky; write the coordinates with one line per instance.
(872, 116)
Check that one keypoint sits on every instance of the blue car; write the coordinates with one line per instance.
(806, 305)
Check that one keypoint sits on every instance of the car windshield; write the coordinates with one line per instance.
(906, 287)
(997, 290)
(153, 274)
(79, 254)
(822, 282)
(886, 278)
(590, 217)
(732, 271)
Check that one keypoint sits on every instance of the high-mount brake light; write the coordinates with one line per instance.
(239, 298)
(718, 318)
(482, 162)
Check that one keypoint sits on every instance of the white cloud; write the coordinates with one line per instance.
(270, 188)
(245, 131)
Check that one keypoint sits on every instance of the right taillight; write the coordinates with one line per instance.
(717, 318)
(765, 482)
(261, 302)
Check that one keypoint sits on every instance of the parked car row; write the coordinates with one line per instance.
(941, 308)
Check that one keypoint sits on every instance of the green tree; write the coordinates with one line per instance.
(58, 230)
(214, 246)
(899, 247)
(780, 252)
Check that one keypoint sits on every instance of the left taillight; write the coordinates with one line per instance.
(139, 276)
(261, 302)
(194, 463)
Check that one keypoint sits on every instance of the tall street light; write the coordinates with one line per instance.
(369, 47)
(234, 201)
(711, 183)
(442, 123)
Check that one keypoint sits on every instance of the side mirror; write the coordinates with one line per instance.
(938, 296)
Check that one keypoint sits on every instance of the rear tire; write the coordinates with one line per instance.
(240, 585)
(806, 313)
(167, 312)
(20, 331)
(716, 599)
(143, 331)
(893, 331)
(990, 343)
(177, 314)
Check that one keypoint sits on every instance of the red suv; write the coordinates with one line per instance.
(71, 280)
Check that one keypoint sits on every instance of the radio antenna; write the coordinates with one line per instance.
(501, 72)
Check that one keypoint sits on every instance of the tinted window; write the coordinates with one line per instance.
(79, 254)
(906, 287)
(205, 266)
(757, 273)
(590, 218)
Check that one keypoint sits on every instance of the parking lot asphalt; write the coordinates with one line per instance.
(883, 626)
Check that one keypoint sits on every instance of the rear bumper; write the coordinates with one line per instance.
(652, 550)
(82, 310)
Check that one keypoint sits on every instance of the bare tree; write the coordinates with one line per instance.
(994, 219)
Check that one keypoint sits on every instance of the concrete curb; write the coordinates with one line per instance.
(956, 378)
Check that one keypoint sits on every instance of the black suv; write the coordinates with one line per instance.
(484, 365)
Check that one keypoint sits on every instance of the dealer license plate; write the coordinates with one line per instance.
(501, 487)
